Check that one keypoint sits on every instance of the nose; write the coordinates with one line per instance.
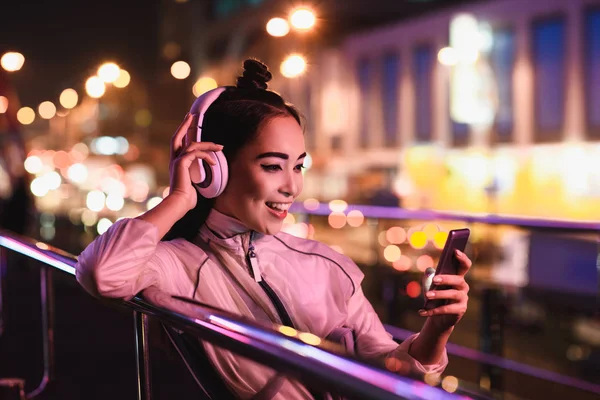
(289, 187)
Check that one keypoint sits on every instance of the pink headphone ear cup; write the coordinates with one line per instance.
(214, 177)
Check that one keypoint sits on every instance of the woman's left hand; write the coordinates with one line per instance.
(446, 316)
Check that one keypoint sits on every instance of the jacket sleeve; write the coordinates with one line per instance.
(124, 260)
(375, 343)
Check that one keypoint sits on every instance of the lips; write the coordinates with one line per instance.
(279, 210)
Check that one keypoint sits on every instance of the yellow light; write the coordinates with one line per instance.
(309, 338)
(203, 85)
(123, 79)
(450, 384)
(47, 110)
(355, 218)
(278, 27)
(338, 206)
(448, 56)
(68, 98)
(439, 240)
(293, 66)
(288, 331)
(94, 87)
(12, 61)
(108, 72)
(3, 104)
(418, 240)
(180, 70)
(392, 253)
(26, 115)
(302, 19)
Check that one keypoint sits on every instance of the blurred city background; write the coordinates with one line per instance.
(420, 116)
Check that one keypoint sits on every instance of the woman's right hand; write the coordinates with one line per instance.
(182, 156)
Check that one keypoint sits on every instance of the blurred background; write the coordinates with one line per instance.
(420, 116)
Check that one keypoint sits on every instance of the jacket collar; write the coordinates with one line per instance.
(229, 232)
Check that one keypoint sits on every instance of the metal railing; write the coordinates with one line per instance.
(326, 370)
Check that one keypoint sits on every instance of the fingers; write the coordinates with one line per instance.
(449, 309)
(454, 281)
(465, 262)
(177, 139)
(204, 146)
(191, 155)
(450, 294)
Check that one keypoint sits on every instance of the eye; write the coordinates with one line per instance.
(299, 167)
(271, 167)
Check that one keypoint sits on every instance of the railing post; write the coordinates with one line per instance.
(47, 306)
(142, 352)
(492, 336)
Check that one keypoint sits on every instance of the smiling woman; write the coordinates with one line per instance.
(229, 252)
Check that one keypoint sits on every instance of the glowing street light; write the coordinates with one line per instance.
(68, 98)
(180, 70)
(293, 66)
(94, 87)
(12, 61)
(108, 72)
(123, 79)
(302, 19)
(47, 110)
(278, 27)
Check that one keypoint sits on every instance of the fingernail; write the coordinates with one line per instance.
(422, 313)
(437, 279)
(430, 294)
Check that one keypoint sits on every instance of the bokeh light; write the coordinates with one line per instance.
(3, 104)
(180, 70)
(278, 27)
(47, 110)
(311, 204)
(95, 87)
(355, 218)
(418, 239)
(109, 72)
(293, 66)
(392, 253)
(123, 79)
(203, 85)
(424, 261)
(26, 115)
(68, 98)
(439, 239)
(413, 289)
(337, 220)
(395, 235)
(302, 19)
(403, 263)
(12, 61)
(450, 384)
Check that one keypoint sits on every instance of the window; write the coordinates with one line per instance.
(391, 65)
(422, 72)
(549, 74)
(502, 61)
(364, 81)
(592, 72)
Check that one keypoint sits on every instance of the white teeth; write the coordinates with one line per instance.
(279, 206)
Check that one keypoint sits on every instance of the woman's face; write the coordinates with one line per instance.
(266, 177)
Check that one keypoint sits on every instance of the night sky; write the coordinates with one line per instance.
(64, 41)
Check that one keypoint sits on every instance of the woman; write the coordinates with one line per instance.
(229, 252)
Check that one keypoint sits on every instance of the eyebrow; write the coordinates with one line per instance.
(278, 155)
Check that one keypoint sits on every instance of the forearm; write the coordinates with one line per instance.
(428, 348)
(165, 214)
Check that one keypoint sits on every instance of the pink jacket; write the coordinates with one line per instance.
(280, 279)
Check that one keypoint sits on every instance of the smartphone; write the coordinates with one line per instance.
(448, 263)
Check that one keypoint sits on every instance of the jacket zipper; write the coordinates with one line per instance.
(255, 272)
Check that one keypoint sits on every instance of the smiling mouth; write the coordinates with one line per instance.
(279, 207)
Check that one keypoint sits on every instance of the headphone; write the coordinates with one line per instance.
(209, 180)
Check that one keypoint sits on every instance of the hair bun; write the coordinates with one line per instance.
(255, 76)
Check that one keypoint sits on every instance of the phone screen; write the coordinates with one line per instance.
(448, 263)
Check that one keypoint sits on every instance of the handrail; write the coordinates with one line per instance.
(349, 377)
(382, 212)
(506, 364)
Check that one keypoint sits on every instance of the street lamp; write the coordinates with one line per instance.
(12, 61)
(108, 72)
(302, 19)
(94, 87)
(278, 27)
(294, 65)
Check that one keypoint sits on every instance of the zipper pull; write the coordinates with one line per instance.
(254, 264)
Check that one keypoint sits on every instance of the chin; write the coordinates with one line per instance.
(272, 229)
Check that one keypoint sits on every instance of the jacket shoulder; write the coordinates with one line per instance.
(318, 249)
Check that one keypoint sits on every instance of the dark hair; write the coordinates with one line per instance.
(234, 120)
